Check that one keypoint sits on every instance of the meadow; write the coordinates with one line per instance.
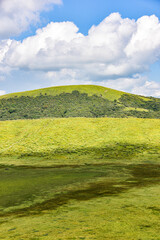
(49, 142)
(80, 178)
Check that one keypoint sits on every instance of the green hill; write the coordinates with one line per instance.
(53, 91)
(79, 141)
(77, 101)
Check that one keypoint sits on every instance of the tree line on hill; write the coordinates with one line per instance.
(77, 104)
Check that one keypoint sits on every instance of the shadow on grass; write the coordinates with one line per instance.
(118, 150)
(142, 175)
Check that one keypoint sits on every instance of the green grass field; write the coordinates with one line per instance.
(80, 178)
(47, 142)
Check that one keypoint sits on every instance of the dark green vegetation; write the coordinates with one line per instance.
(78, 104)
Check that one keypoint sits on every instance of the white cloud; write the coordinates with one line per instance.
(114, 53)
(4, 47)
(115, 48)
(150, 88)
(17, 15)
(126, 84)
(137, 85)
(66, 77)
(145, 43)
(2, 92)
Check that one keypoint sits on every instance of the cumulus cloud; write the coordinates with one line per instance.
(126, 84)
(150, 88)
(117, 48)
(67, 77)
(4, 47)
(137, 85)
(17, 15)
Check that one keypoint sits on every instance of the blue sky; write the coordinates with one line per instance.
(85, 13)
(24, 68)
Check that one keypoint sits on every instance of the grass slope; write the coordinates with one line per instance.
(105, 92)
(76, 140)
(53, 91)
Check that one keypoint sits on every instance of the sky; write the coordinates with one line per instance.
(112, 43)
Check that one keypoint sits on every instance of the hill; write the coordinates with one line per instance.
(78, 141)
(77, 101)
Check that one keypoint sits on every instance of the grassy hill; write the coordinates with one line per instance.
(77, 101)
(108, 93)
(79, 140)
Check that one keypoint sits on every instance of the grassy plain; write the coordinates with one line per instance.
(80, 178)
